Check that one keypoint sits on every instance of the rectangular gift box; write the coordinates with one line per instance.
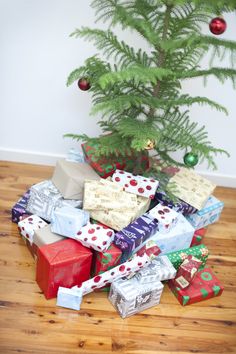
(159, 269)
(45, 198)
(209, 214)
(133, 235)
(192, 188)
(166, 217)
(118, 219)
(204, 286)
(18, 211)
(29, 225)
(198, 237)
(68, 221)
(106, 166)
(187, 271)
(129, 296)
(180, 206)
(69, 178)
(45, 236)
(178, 238)
(201, 252)
(139, 185)
(66, 263)
(75, 155)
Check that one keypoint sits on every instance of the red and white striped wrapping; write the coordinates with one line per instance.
(166, 217)
(122, 270)
(96, 236)
(139, 185)
(29, 225)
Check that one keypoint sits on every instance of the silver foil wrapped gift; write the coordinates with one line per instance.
(129, 296)
(45, 198)
(159, 269)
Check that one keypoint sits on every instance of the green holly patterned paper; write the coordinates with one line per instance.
(201, 252)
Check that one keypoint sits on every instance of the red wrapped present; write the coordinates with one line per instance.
(198, 237)
(187, 271)
(66, 263)
(204, 286)
(106, 166)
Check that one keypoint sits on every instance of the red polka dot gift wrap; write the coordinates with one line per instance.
(29, 225)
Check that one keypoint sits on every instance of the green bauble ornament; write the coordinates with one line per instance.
(190, 159)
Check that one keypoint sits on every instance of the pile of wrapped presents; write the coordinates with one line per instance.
(94, 226)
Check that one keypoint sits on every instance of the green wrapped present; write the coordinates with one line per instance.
(201, 252)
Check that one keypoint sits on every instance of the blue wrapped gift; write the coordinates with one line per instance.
(69, 298)
(207, 215)
(179, 237)
(68, 221)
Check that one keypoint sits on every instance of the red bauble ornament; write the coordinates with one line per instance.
(84, 84)
(217, 25)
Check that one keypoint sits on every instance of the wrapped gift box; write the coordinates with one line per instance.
(45, 198)
(192, 188)
(118, 219)
(75, 155)
(180, 206)
(106, 166)
(201, 252)
(68, 221)
(159, 269)
(178, 238)
(45, 236)
(204, 286)
(139, 185)
(18, 211)
(94, 236)
(69, 178)
(198, 237)
(166, 217)
(187, 271)
(209, 214)
(29, 225)
(103, 194)
(133, 235)
(65, 263)
(69, 298)
(129, 296)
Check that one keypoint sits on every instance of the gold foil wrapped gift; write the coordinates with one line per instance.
(192, 188)
(110, 205)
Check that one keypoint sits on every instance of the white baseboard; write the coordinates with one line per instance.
(41, 158)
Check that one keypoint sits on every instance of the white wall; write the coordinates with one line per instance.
(36, 107)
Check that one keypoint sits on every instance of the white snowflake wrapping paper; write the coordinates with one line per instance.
(139, 185)
(29, 225)
(98, 237)
(166, 217)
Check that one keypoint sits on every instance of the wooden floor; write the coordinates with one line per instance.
(31, 324)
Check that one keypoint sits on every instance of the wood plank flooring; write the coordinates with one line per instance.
(31, 324)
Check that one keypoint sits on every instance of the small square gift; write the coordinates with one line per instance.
(209, 214)
(69, 298)
(201, 252)
(69, 178)
(18, 211)
(29, 225)
(165, 216)
(98, 237)
(129, 296)
(159, 269)
(65, 263)
(204, 286)
(68, 221)
(192, 188)
(139, 185)
(45, 198)
(180, 206)
(198, 237)
(187, 271)
(133, 235)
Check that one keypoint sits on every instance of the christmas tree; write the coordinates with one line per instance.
(138, 92)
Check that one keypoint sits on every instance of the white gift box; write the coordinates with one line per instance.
(166, 217)
(69, 298)
(95, 236)
(29, 225)
(68, 221)
(139, 185)
(209, 214)
(129, 296)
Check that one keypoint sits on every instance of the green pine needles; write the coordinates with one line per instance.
(138, 93)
